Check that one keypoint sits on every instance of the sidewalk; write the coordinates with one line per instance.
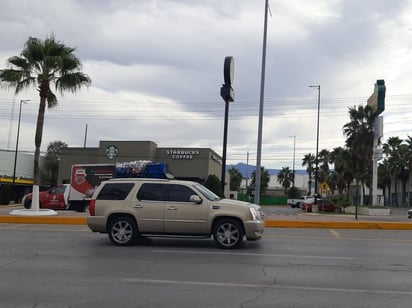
(398, 219)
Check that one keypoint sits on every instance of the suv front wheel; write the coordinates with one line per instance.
(123, 231)
(228, 233)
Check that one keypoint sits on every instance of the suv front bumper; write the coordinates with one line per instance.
(254, 229)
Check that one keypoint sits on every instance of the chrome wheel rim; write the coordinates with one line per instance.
(228, 234)
(122, 232)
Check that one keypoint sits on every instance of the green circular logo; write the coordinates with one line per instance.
(112, 152)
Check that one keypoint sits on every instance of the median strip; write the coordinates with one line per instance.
(270, 223)
(64, 220)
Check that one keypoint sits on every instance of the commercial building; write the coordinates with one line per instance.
(185, 163)
(21, 166)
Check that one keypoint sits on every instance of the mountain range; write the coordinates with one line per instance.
(247, 170)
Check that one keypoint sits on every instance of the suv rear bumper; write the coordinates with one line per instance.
(254, 229)
(97, 223)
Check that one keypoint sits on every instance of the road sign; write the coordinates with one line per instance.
(324, 186)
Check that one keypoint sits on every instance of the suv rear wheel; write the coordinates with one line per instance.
(123, 231)
(228, 233)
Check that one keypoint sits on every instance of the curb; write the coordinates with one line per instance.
(69, 220)
(338, 225)
(53, 220)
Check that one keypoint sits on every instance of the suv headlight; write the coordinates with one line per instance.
(256, 214)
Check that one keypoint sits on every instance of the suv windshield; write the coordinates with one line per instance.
(207, 193)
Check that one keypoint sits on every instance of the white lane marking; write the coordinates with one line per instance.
(245, 254)
(201, 283)
(274, 286)
(335, 233)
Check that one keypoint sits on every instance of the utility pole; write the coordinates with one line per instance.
(293, 164)
(262, 97)
(17, 145)
(317, 145)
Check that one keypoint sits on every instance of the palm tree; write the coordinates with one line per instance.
(264, 179)
(40, 64)
(359, 140)
(341, 159)
(409, 159)
(324, 160)
(235, 179)
(308, 161)
(285, 178)
(391, 150)
(385, 179)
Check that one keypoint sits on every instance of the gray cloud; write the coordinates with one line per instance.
(157, 67)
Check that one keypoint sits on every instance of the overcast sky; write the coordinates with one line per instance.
(157, 68)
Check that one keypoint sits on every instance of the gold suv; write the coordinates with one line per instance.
(127, 209)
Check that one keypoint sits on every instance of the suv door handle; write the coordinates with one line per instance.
(138, 206)
(172, 208)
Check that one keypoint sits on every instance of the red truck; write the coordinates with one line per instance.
(85, 178)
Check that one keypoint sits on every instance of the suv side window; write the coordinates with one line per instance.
(180, 193)
(151, 192)
(115, 191)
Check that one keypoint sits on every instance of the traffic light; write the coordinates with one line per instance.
(377, 100)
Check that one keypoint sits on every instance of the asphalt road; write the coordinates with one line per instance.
(68, 266)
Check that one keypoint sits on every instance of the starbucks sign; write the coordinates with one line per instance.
(112, 152)
(182, 154)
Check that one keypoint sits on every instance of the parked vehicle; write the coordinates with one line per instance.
(323, 206)
(55, 198)
(298, 202)
(127, 209)
(409, 213)
(86, 177)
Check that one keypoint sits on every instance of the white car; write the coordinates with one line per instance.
(410, 213)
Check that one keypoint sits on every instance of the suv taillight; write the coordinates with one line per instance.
(92, 207)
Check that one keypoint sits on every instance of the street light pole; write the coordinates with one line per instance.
(317, 144)
(17, 144)
(294, 148)
(261, 105)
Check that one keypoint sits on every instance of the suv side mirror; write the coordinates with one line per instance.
(195, 199)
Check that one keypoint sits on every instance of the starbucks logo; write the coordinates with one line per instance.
(112, 152)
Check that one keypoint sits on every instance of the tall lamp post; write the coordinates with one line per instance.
(317, 144)
(293, 168)
(261, 105)
(17, 144)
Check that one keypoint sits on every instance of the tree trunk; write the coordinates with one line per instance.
(403, 193)
(37, 141)
(396, 192)
(389, 195)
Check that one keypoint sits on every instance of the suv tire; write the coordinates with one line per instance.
(228, 233)
(123, 231)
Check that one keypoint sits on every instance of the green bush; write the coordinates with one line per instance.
(342, 202)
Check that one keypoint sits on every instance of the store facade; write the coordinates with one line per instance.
(185, 163)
